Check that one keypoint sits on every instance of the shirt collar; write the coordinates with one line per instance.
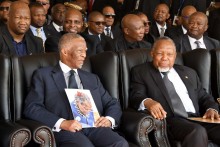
(34, 28)
(159, 26)
(192, 40)
(184, 30)
(57, 27)
(66, 68)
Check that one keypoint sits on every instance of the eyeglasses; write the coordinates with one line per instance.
(109, 15)
(98, 23)
(147, 23)
(185, 17)
(42, 3)
(4, 8)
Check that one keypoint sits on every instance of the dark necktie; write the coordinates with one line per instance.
(162, 32)
(197, 42)
(177, 104)
(72, 80)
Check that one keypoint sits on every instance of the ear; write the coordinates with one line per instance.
(126, 30)
(168, 15)
(206, 27)
(152, 54)
(64, 52)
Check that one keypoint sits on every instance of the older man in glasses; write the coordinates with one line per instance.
(111, 29)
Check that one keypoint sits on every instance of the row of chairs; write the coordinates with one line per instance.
(140, 129)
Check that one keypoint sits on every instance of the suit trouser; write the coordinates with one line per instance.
(192, 133)
(90, 137)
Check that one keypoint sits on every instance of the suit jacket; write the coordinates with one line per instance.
(92, 42)
(183, 44)
(154, 30)
(47, 33)
(34, 44)
(214, 22)
(50, 29)
(146, 82)
(174, 32)
(120, 43)
(104, 39)
(47, 101)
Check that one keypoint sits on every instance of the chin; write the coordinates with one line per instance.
(163, 69)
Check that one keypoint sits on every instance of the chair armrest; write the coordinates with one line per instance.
(136, 126)
(13, 134)
(41, 133)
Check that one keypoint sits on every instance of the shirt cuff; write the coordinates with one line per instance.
(56, 127)
(212, 109)
(142, 107)
(112, 120)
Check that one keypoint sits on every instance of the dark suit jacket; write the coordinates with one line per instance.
(92, 42)
(34, 44)
(104, 39)
(47, 101)
(154, 30)
(146, 82)
(174, 32)
(52, 31)
(214, 22)
(119, 44)
(183, 44)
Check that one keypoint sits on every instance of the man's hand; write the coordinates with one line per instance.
(155, 109)
(71, 125)
(211, 114)
(103, 122)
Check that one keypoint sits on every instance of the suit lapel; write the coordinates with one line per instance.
(8, 39)
(58, 78)
(186, 43)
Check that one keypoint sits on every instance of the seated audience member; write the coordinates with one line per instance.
(57, 14)
(175, 32)
(4, 9)
(195, 38)
(96, 24)
(159, 25)
(111, 29)
(147, 35)
(50, 101)
(73, 23)
(132, 38)
(38, 18)
(174, 92)
(46, 5)
(13, 38)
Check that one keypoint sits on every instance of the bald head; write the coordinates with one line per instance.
(19, 18)
(187, 11)
(133, 28)
(94, 14)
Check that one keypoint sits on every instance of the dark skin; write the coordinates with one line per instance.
(164, 55)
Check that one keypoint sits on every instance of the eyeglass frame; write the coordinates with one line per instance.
(147, 23)
(108, 15)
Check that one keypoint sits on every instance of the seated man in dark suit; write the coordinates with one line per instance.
(50, 101)
(73, 23)
(195, 38)
(13, 38)
(174, 92)
(96, 24)
(132, 38)
(57, 14)
(175, 32)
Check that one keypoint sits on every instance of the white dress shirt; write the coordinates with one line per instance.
(58, 28)
(43, 36)
(180, 90)
(159, 27)
(194, 45)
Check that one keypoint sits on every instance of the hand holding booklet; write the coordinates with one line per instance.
(83, 107)
(205, 120)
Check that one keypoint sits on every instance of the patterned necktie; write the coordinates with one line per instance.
(108, 32)
(177, 104)
(72, 80)
(39, 33)
(197, 42)
(162, 32)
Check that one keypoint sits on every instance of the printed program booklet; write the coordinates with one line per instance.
(83, 106)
